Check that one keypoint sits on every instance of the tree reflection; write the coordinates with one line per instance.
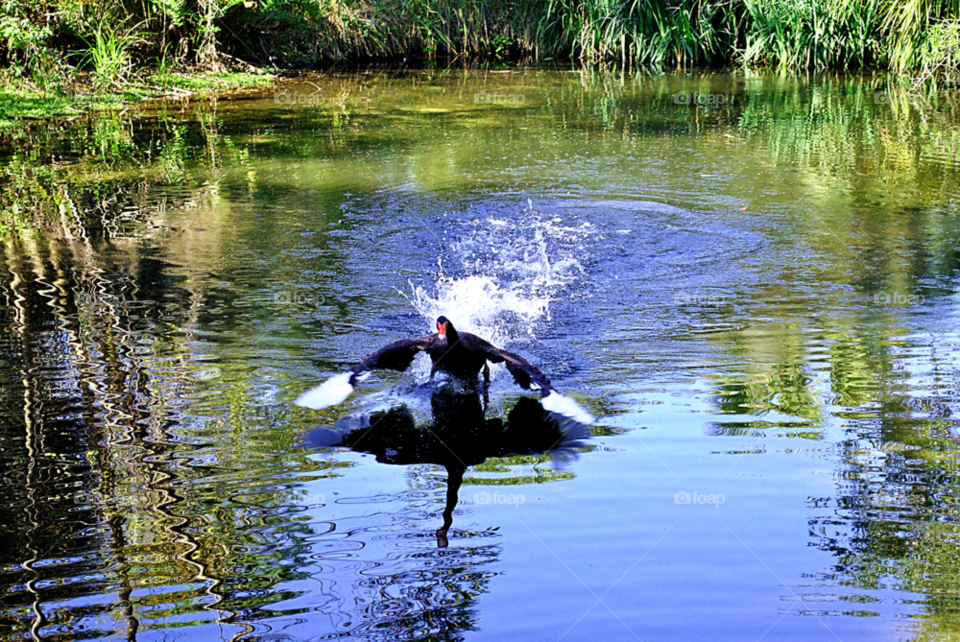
(144, 446)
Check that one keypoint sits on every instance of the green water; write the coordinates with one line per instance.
(750, 280)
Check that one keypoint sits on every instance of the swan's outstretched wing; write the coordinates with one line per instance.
(393, 356)
(529, 377)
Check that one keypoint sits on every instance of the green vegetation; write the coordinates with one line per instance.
(141, 253)
(18, 103)
(72, 56)
(65, 57)
(40, 50)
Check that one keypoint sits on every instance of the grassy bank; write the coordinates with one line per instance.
(19, 101)
(129, 49)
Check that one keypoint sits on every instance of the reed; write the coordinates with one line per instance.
(921, 35)
(639, 32)
(812, 34)
(108, 52)
(918, 28)
(793, 34)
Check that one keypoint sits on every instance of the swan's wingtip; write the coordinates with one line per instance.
(331, 392)
(567, 407)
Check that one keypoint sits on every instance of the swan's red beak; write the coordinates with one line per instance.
(442, 329)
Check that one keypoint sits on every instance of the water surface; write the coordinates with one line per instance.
(749, 279)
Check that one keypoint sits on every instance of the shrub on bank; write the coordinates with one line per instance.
(46, 44)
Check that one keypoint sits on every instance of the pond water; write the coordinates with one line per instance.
(750, 280)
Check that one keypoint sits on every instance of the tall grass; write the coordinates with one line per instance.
(812, 34)
(108, 52)
(639, 32)
(913, 26)
(796, 34)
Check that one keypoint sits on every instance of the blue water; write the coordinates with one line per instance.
(760, 314)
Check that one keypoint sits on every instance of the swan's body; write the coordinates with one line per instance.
(460, 354)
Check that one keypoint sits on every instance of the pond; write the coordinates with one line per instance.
(750, 280)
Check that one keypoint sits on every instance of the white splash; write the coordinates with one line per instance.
(555, 402)
(483, 306)
(331, 392)
(510, 272)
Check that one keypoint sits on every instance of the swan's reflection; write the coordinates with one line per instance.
(459, 436)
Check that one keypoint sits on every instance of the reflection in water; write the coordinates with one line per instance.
(167, 278)
(108, 473)
(459, 436)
